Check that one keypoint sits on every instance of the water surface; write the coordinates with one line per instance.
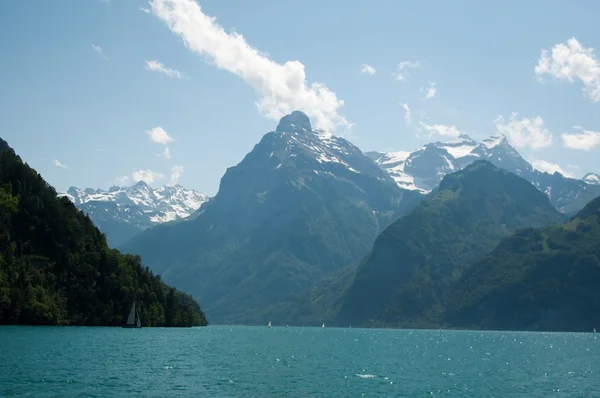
(223, 361)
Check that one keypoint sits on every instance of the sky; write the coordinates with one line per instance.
(95, 93)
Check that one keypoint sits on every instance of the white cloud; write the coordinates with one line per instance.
(148, 176)
(431, 91)
(99, 51)
(146, 10)
(523, 133)
(122, 181)
(440, 129)
(550, 168)
(166, 153)
(282, 87)
(176, 172)
(570, 61)
(403, 67)
(407, 114)
(158, 67)
(160, 136)
(586, 140)
(368, 69)
(57, 163)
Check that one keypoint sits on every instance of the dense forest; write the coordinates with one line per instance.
(57, 269)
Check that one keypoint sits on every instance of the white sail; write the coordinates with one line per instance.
(269, 323)
(131, 317)
(139, 322)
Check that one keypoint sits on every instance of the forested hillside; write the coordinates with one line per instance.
(56, 268)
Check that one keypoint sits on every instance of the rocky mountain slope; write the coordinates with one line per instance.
(423, 169)
(123, 212)
(300, 206)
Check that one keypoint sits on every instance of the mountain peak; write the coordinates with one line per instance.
(495, 140)
(592, 178)
(294, 121)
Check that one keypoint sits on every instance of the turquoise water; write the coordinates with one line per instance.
(222, 361)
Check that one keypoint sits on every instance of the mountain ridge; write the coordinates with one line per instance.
(423, 169)
(299, 206)
(413, 261)
(123, 212)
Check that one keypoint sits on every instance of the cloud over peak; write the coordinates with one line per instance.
(440, 129)
(585, 140)
(525, 132)
(550, 168)
(148, 176)
(176, 173)
(282, 87)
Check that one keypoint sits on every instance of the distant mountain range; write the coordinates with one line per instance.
(308, 228)
(123, 212)
(298, 207)
(423, 169)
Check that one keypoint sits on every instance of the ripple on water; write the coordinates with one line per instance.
(249, 361)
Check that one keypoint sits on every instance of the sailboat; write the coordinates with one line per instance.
(133, 320)
(323, 326)
(269, 324)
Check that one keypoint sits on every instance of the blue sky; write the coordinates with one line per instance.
(94, 92)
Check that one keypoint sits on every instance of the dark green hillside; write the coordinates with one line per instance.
(56, 268)
(413, 263)
(536, 279)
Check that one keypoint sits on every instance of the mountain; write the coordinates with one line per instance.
(592, 178)
(56, 267)
(536, 279)
(423, 169)
(413, 263)
(300, 206)
(123, 212)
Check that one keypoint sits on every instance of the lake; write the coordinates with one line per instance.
(237, 361)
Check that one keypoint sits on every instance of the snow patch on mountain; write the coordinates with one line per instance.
(167, 203)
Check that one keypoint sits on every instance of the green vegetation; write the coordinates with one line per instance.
(56, 268)
(416, 260)
(536, 279)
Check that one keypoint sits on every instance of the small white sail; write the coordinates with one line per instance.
(323, 326)
(269, 323)
(139, 321)
(131, 317)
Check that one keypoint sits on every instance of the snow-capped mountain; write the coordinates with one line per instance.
(122, 212)
(423, 169)
(299, 206)
(592, 178)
